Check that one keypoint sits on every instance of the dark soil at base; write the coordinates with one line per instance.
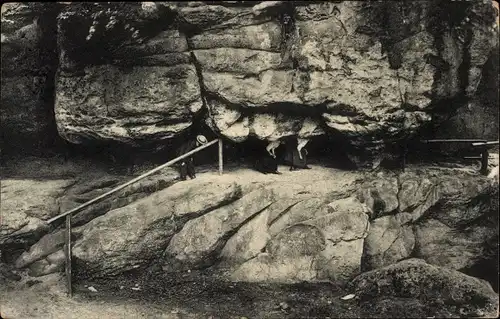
(208, 296)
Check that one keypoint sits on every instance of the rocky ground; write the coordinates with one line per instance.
(317, 224)
(191, 296)
(201, 295)
(192, 292)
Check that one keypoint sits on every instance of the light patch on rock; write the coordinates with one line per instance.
(248, 241)
(26, 204)
(238, 131)
(258, 8)
(148, 6)
(264, 126)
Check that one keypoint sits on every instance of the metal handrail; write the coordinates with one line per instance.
(478, 144)
(454, 140)
(114, 190)
(485, 143)
(67, 236)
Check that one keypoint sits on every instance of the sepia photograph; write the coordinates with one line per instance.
(249, 159)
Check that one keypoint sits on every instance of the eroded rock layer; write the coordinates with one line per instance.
(141, 73)
(322, 225)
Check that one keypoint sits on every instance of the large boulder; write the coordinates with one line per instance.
(136, 82)
(132, 236)
(44, 202)
(326, 247)
(370, 72)
(444, 218)
(448, 292)
(203, 237)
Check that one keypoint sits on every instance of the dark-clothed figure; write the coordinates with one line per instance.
(297, 155)
(267, 163)
(186, 166)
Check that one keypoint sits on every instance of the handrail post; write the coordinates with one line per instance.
(67, 253)
(484, 161)
(221, 162)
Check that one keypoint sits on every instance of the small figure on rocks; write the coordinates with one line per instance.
(186, 166)
(297, 154)
(268, 162)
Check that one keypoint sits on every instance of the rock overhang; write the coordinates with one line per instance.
(155, 70)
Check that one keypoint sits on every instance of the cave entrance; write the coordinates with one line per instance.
(327, 151)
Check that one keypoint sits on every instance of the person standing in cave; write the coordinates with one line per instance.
(268, 163)
(186, 166)
(297, 154)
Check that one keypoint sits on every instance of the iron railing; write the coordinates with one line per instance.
(69, 213)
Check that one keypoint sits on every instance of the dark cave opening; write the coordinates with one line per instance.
(323, 150)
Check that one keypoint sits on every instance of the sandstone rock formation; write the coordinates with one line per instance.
(372, 73)
(322, 224)
(146, 227)
(29, 62)
(449, 292)
(142, 74)
(325, 247)
(144, 89)
(22, 225)
(429, 217)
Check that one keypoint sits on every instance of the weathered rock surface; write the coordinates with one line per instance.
(329, 65)
(47, 245)
(372, 72)
(88, 189)
(28, 67)
(311, 225)
(474, 121)
(204, 236)
(414, 279)
(326, 247)
(25, 206)
(442, 218)
(134, 235)
(141, 86)
(320, 224)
